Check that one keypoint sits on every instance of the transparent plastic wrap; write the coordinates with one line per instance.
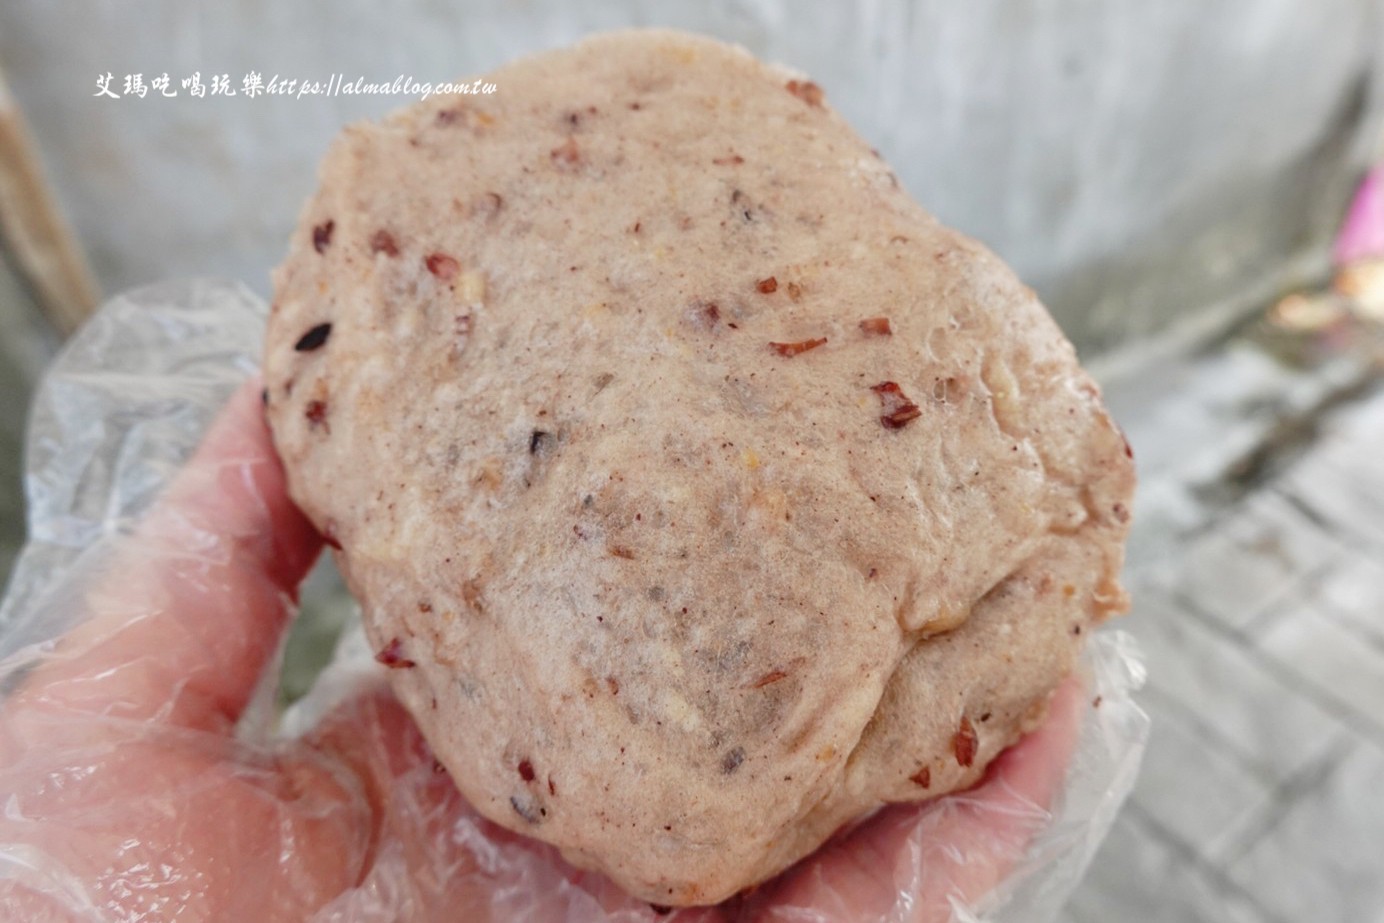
(146, 776)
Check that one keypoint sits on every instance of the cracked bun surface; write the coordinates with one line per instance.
(704, 492)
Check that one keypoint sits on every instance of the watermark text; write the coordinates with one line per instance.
(253, 85)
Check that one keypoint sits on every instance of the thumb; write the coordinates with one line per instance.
(184, 614)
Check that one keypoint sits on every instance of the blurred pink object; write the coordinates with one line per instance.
(1362, 235)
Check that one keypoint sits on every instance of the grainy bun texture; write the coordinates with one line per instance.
(704, 492)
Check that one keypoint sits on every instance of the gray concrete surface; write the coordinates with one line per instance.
(1257, 571)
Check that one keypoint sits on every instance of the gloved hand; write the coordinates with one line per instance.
(134, 791)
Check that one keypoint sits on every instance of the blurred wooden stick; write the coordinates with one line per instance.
(33, 231)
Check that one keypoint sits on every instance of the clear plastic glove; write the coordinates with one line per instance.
(140, 634)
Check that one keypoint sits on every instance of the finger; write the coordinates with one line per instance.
(911, 863)
(184, 613)
(175, 824)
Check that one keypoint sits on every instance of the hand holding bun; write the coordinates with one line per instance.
(703, 492)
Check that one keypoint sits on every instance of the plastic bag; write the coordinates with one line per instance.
(115, 422)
